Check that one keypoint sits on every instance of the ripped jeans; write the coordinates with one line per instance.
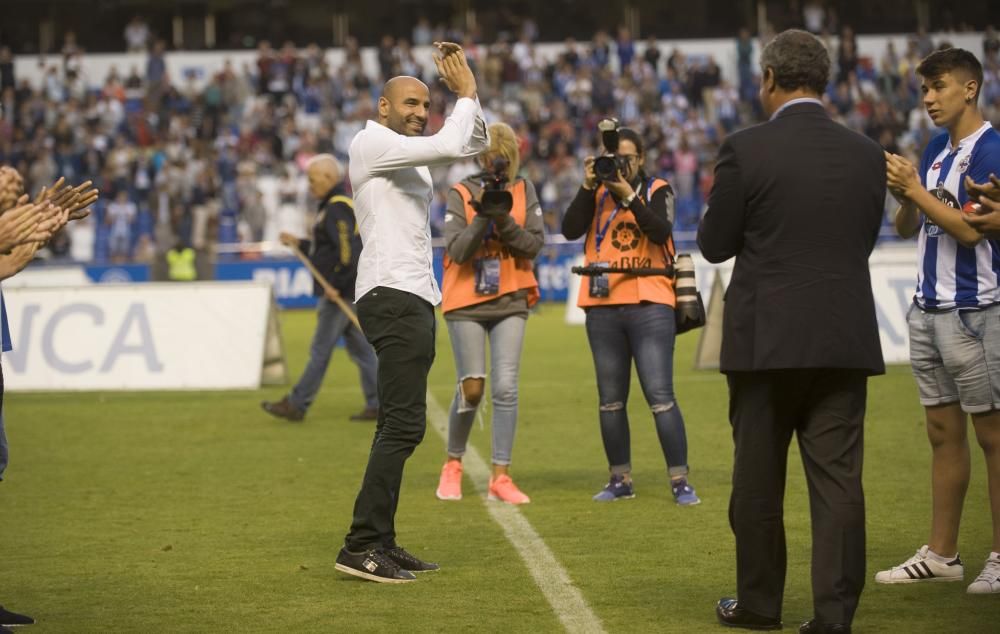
(644, 332)
(468, 342)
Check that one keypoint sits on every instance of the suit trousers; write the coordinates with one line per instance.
(825, 409)
(401, 328)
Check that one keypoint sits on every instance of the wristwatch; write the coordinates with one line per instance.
(628, 200)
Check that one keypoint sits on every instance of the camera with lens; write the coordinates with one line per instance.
(496, 200)
(609, 165)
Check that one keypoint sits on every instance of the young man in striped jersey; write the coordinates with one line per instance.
(954, 322)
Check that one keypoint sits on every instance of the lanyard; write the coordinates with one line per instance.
(600, 232)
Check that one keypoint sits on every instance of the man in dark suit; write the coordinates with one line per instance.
(798, 201)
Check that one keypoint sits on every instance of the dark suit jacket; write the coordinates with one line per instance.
(798, 201)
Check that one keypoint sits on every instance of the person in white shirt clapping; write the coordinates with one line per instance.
(397, 292)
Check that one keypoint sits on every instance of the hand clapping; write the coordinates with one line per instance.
(75, 200)
(35, 222)
(454, 69)
(986, 220)
(28, 222)
(901, 176)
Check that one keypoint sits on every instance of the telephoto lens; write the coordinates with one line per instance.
(690, 313)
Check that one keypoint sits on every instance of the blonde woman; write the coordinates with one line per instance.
(488, 289)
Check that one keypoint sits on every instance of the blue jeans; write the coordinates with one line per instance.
(468, 343)
(331, 323)
(644, 332)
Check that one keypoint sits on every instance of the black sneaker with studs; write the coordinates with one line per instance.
(373, 565)
(406, 561)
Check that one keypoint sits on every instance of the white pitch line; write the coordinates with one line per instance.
(551, 578)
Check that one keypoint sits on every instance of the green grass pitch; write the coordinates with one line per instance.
(196, 512)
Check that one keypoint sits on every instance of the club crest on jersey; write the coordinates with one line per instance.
(964, 163)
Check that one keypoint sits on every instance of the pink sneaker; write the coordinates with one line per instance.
(450, 484)
(504, 490)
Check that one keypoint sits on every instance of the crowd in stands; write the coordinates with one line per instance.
(178, 165)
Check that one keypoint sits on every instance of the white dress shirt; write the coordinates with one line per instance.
(392, 196)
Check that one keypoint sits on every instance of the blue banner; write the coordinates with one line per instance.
(118, 273)
(292, 283)
(552, 269)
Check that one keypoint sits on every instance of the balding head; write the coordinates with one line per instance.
(324, 172)
(403, 105)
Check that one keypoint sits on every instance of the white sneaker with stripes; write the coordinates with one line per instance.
(922, 567)
(988, 581)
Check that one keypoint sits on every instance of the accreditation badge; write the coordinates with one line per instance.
(599, 283)
(487, 276)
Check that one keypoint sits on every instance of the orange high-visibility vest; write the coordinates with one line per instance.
(458, 288)
(624, 245)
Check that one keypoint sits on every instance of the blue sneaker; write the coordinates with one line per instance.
(684, 493)
(615, 489)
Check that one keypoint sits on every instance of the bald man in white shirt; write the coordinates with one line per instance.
(397, 292)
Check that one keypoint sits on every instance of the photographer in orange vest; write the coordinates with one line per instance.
(627, 218)
(493, 231)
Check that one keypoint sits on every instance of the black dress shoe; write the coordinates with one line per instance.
(13, 618)
(731, 614)
(815, 626)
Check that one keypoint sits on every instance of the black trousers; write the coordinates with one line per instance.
(825, 408)
(401, 328)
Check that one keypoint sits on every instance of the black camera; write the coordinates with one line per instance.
(608, 166)
(496, 201)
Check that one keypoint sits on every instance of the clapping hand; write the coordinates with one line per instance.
(901, 176)
(454, 69)
(978, 191)
(75, 200)
(29, 222)
(985, 219)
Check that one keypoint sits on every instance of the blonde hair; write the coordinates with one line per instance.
(503, 144)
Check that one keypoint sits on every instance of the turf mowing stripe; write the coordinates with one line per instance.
(549, 575)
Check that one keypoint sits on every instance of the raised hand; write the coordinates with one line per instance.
(454, 69)
(75, 200)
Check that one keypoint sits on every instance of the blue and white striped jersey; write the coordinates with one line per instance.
(951, 275)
